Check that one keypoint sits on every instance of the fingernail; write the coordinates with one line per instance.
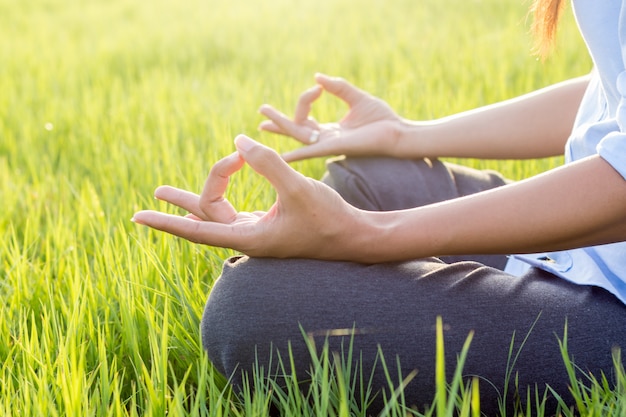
(134, 220)
(244, 143)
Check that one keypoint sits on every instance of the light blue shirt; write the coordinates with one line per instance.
(600, 128)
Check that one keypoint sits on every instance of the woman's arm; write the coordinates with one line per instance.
(580, 204)
(533, 125)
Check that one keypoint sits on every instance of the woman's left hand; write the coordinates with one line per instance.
(370, 127)
(308, 219)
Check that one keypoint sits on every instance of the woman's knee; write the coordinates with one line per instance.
(256, 309)
(384, 183)
(233, 318)
(381, 183)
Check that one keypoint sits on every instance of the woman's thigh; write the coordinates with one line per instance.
(261, 306)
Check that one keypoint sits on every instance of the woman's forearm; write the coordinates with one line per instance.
(532, 126)
(580, 204)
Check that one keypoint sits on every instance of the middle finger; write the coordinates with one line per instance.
(213, 205)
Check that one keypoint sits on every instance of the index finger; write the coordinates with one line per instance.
(303, 107)
(212, 202)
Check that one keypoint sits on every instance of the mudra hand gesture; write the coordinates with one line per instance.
(308, 219)
(366, 129)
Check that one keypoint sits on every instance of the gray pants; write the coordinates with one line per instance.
(260, 306)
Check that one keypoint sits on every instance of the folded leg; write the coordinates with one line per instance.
(260, 306)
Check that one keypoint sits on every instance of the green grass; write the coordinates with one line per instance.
(100, 101)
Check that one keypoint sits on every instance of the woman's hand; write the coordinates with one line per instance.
(308, 219)
(369, 127)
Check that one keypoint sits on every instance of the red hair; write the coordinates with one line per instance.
(546, 15)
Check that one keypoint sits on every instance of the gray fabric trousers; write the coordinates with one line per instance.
(258, 306)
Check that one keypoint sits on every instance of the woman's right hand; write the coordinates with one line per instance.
(308, 220)
(370, 127)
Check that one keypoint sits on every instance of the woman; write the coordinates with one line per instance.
(361, 255)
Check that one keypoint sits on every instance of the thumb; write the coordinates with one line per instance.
(340, 88)
(269, 164)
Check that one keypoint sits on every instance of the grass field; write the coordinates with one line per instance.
(100, 101)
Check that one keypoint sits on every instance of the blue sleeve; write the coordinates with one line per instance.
(612, 148)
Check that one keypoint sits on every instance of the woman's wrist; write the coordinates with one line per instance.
(415, 139)
(377, 237)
